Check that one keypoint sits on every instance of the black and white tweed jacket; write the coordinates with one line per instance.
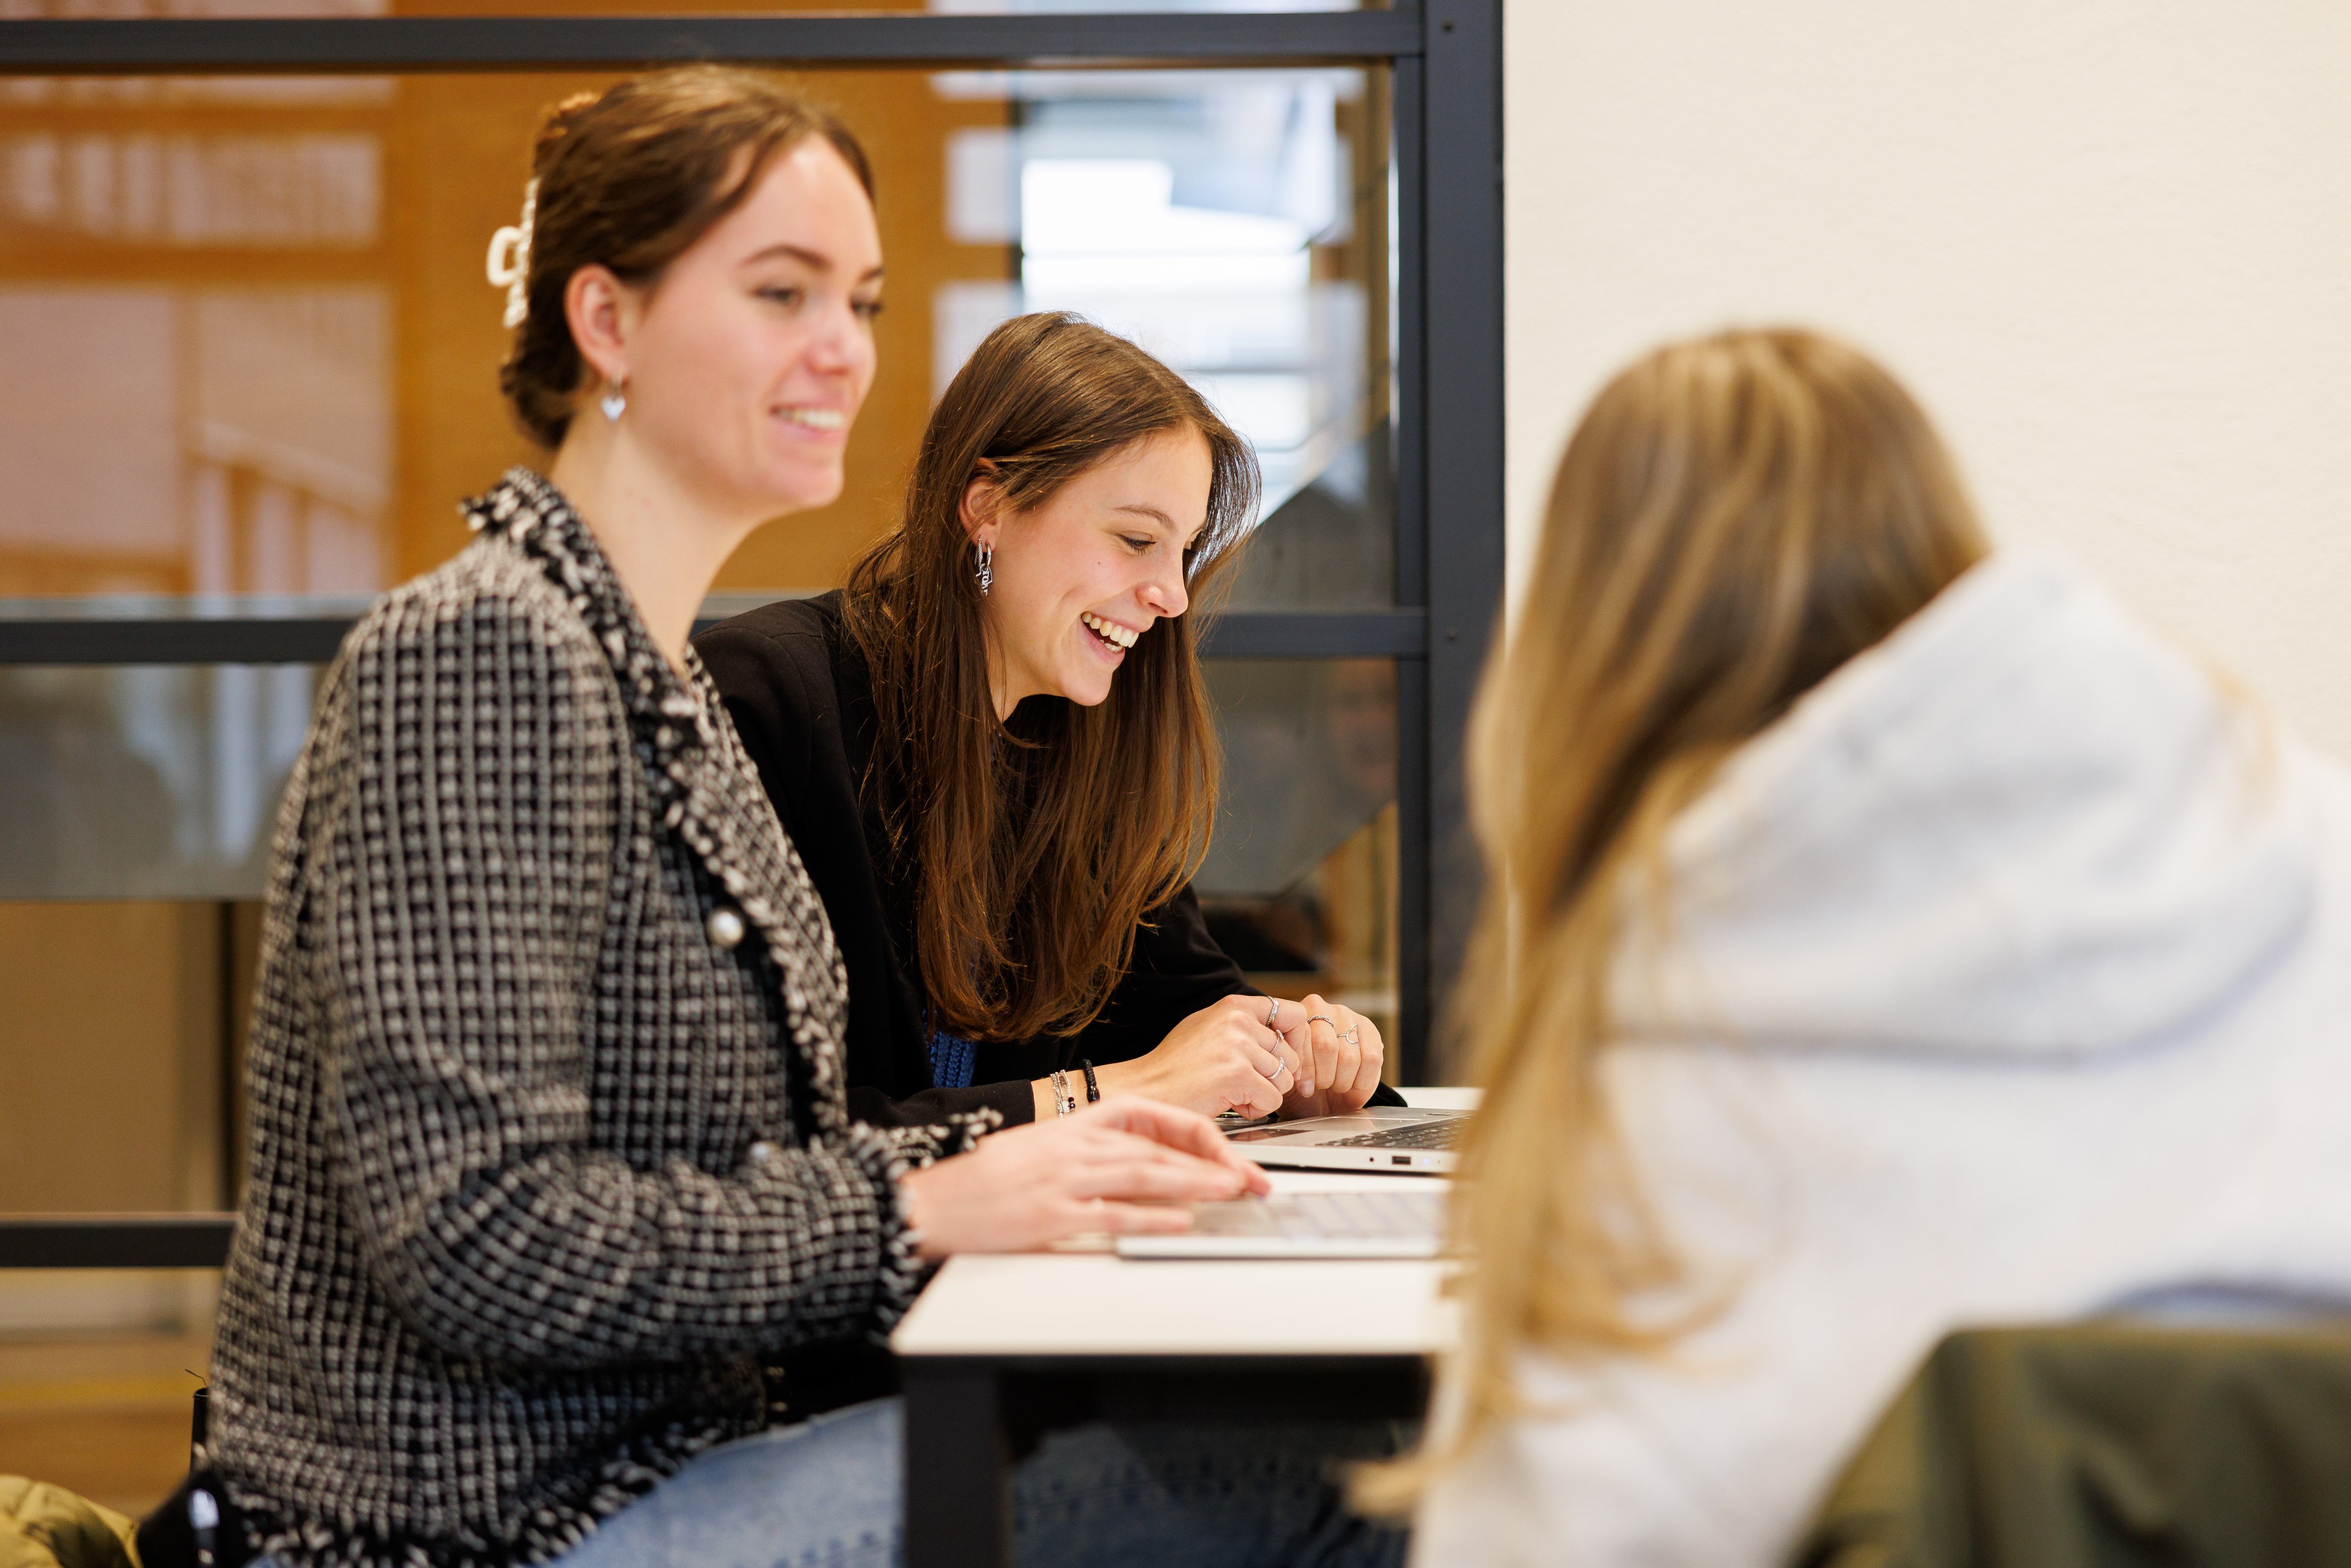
(542, 1161)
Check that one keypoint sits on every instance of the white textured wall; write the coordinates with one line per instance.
(2108, 244)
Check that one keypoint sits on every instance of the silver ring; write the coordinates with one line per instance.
(1280, 1067)
(1323, 1018)
(1355, 1033)
(1272, 1013)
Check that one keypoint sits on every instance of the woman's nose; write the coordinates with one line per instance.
(841, 343)
(1163, 593)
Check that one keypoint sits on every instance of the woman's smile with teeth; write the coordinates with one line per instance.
(815, 418)
(1110, 631)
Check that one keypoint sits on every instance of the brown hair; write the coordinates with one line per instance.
(1036, 845)
(1735, 517)
(630, 178)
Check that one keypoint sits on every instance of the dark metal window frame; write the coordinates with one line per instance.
(1446, 60)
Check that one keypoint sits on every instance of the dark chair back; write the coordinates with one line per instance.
(2105, 1445)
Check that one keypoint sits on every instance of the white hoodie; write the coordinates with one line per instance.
(2009, 978)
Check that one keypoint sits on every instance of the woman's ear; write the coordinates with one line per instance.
(978, 508)
(601, 313)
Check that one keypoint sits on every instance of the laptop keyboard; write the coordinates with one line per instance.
(1419, 1135)
(1348, 1216)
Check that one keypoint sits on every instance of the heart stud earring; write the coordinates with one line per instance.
(613, 401)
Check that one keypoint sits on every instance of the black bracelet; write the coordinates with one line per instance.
(1093, 1090)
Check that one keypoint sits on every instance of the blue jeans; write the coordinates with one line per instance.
(822, 1492)
(826, 1494)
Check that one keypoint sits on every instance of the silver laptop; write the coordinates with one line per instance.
(1376, 1138)
(1404, 1221)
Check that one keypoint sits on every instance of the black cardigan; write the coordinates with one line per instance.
(799, 693)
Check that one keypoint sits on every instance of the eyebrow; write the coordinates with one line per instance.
(809, 257)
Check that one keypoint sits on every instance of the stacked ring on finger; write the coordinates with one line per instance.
(1325, 1018)
(1280, 1067)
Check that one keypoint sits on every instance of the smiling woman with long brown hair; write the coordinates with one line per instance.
(996, 752)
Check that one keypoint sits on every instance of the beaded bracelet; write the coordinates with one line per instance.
(1064, 1101)
(1093, 1090)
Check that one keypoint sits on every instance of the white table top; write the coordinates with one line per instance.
(1085, 1299)
(1094, 1302)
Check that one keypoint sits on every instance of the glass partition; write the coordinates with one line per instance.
(261, 350)
(118, 1056)
(145, 781)
(254, 350)
(1300, 883)
(1225, 220)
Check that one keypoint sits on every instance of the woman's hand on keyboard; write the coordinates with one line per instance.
(1339, 1052)
(1126, 1165)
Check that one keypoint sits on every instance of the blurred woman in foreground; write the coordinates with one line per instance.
(1884, 935)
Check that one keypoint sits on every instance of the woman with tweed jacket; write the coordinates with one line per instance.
(549, 1152)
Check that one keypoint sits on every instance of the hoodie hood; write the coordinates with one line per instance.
(2019, 825)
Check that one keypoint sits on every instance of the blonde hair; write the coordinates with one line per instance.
(1736, 516)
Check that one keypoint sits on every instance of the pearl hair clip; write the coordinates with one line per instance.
(509, 260)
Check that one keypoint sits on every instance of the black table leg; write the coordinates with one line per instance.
(958, 1474)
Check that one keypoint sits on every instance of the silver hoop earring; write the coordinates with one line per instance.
(615, 401)
(986, 573)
